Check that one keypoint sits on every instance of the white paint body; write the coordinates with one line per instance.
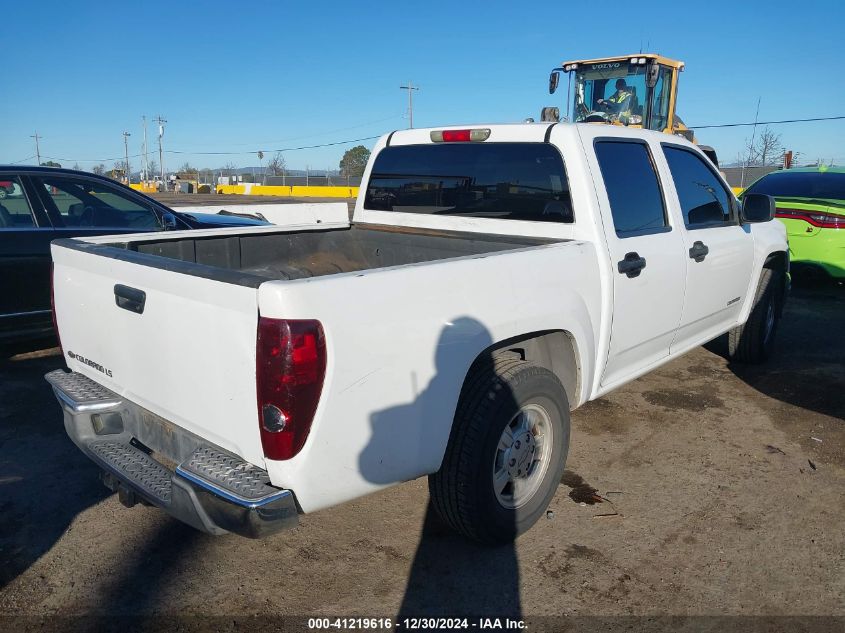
(400, 340)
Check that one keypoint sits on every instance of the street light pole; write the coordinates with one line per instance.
(410, 88)
(126, 136)
(146, 157)
(161, 123)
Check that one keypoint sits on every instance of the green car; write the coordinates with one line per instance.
(811, 203)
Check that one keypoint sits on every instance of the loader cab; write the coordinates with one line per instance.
(636, 91)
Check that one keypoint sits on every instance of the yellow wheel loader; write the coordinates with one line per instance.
(638, 90)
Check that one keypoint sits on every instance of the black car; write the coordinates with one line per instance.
(41, 204)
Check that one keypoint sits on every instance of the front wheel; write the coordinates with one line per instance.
(506, 452)
(3, 193)
(753, 341)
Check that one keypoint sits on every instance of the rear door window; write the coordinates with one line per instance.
(633, 190)
(507, 181)
(15, 212)
(85, 203)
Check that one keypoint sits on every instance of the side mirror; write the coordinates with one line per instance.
(554, 80)
(168, 222)
(757, 207)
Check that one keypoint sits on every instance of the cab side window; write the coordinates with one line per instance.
(89, 204)
(15, 212)
(704, 199)
(636, 201)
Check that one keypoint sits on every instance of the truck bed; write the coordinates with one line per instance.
(315, 253)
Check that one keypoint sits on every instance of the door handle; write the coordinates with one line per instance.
(130, 299)
(698, 251)
(632, 265)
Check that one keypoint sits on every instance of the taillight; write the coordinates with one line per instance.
(815, 218)
(460, 136)
(290, 366)
(53, 305)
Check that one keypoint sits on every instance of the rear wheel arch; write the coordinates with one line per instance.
(555, 350)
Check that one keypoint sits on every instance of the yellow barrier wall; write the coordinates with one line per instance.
(292, 191)
(143, 188)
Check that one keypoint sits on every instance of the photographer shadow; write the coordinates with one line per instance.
(450, 576)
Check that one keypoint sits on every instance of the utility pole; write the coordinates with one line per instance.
(410, 88)
(37, 149)
(126, 136)
(161, 123)
(146, 158)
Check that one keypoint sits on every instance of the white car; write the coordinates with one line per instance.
(493, 278)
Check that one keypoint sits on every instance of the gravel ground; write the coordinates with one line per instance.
(723, 488)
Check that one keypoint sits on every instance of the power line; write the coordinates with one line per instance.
(245, 152)
(324, 133)
(824, 118)
(281, 149)
(23, 160)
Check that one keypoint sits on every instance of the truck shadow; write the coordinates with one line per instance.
(45, 481)
(806, 368)
(450, 575)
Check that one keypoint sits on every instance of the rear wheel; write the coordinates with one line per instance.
(753, 341)
(506, 453)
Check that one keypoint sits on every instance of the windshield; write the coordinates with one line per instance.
(816, 184)
(614, 91)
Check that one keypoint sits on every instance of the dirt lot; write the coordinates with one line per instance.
(727, 487)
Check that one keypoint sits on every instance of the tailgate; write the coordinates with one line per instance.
(188, 357)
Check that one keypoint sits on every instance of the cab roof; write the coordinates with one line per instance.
(616, 58)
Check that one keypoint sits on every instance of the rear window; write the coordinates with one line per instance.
(505, 181)
(788, 184)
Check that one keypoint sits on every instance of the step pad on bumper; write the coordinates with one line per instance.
(81, 393)
(136, 466)
(229, 473)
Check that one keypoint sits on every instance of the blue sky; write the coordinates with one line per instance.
(235, 77)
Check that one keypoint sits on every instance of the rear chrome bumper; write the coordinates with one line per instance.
(145, 458)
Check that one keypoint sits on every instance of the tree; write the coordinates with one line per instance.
(230, 171)
(277, 165)
(50, 163)
(152, 169)
(99, 169)
(77, 167)
(187, 168)
(354, 161)
(763, 150)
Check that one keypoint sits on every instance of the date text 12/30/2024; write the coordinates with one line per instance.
(415, 624)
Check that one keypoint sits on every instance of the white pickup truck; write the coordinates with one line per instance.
(492, 279)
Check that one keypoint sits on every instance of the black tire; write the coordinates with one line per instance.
(753, 341)
(462, 490)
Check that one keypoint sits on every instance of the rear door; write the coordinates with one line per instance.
(646, 253)
(719, 251)
(25, 235)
